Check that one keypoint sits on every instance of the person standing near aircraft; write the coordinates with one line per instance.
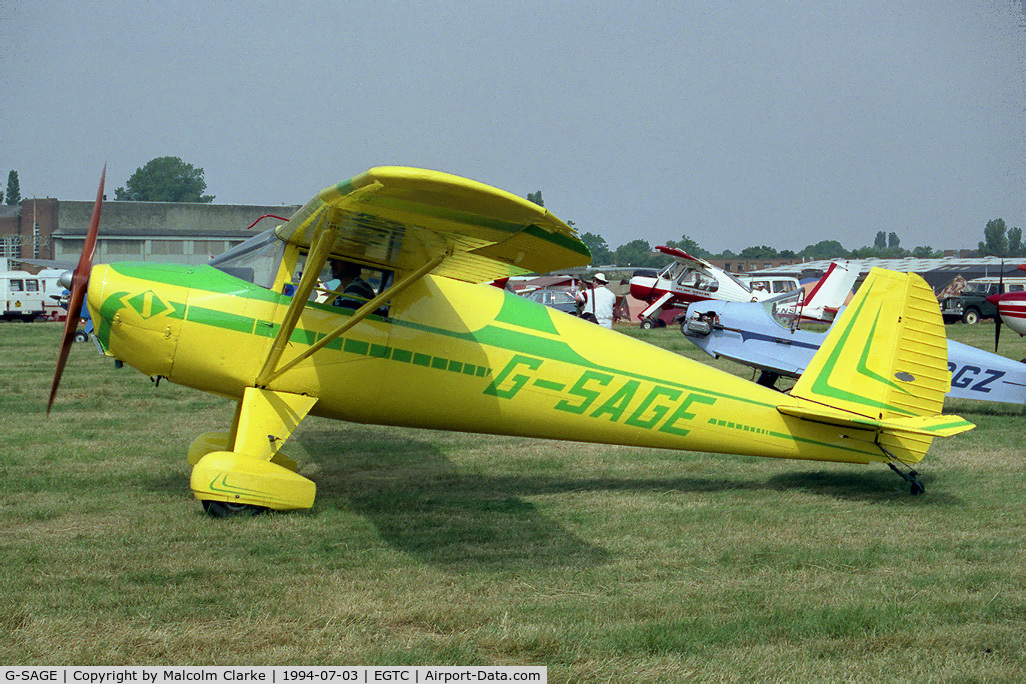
(599, 301)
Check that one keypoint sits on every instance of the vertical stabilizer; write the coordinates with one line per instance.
(886, 356)
(831, 291)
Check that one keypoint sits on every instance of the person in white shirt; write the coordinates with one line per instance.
(598, 302)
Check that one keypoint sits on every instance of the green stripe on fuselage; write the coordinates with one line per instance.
(209, 279)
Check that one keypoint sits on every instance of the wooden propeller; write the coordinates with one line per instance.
(79, 285)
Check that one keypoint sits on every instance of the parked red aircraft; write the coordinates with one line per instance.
(1011, 309)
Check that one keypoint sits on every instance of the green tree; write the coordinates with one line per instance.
(881, 240)
(536, 198)
(165, 179)
(637, 253)
(995, 239)
(824, 249)
(761, 252)
(686, 244)
(1015, 246)
(600, 252)
(893, 241)
(925, 253)
(13, 189)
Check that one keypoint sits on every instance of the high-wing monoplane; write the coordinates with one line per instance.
(690, 279)
(759, 336)
(435, 347)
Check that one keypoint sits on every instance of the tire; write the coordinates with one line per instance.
(221, 509)
(81, 336)
(647, 324)
(971, 316)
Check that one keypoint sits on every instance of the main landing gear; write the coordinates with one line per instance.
(243, 472)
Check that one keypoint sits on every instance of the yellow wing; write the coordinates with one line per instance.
(400, 218)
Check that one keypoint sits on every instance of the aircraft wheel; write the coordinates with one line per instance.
(647, 324)
(917, 488)
(225, 509)
(81, 336)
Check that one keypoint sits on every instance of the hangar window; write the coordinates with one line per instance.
(167, 247)
(122, 247)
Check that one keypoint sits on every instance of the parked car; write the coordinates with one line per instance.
(971, 305)
(557, 299)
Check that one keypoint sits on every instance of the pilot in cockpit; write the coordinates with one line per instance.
(347, 277)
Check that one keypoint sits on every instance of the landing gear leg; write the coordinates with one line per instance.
(910, 476)
(768, 379)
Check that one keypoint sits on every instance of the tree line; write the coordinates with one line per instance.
(638, 253)
(998, 241)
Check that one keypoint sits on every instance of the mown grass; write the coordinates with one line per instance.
(603, 563)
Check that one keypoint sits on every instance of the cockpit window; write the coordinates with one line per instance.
(672, 271)
(343, 283)
(784, 286)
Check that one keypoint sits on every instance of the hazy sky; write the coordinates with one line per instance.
(785, 124)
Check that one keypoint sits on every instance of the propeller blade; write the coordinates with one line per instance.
(997, 316)
(79, 285)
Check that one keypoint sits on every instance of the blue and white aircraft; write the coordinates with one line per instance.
(763, 336)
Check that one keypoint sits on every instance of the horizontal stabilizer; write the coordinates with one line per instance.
(932, 426)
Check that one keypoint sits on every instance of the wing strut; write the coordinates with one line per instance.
(315, 262)
(269, 374)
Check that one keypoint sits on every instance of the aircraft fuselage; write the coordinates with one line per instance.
(451, 355)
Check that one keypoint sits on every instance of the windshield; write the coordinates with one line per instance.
(782, 308)
(256, 260)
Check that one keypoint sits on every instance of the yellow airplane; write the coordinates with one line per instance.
(429, 343)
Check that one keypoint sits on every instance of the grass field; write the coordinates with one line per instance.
(606, 564)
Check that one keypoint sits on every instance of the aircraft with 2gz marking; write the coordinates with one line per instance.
(438, 347)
